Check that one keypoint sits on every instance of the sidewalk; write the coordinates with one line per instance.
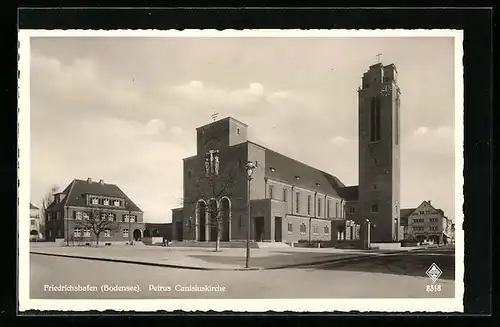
(206, 259)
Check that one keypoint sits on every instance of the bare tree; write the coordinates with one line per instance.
(46, 201)
(212, 184)
(98, 222)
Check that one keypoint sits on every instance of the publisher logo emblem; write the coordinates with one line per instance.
(434, 272)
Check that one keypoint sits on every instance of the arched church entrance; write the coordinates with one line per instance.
(213, 218)
(201, 221)
(225, 219)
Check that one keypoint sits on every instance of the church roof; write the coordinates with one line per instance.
(349, 193)
(293, 172)
(77, 188)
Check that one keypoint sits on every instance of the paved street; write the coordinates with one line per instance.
(391, 276)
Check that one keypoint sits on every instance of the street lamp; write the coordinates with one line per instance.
(250, 167)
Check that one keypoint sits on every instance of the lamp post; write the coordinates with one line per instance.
(250, 167)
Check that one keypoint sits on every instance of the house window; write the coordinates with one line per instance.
(133, 218)
(285, 197)
(336, 209)
(303, 229)
(326, 230)
(32, 222)
(271, 188)
(319, 207)
(106, 202)
(95, 201)
(78, 215)
(104, 216)
(77, 232)
(290, 227)
(86, 232)
(374, 208)
(116, 203)
(309, 204)
(422, 212)
(315, 229)
(107, 233)
(125, 232)
(352, 210)
(85, 215)
(297, 202)
(111, 217)
(375, 119)
(124, 217)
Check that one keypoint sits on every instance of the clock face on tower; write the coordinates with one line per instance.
(386, 90)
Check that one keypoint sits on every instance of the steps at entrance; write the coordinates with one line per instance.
(197, 244)
(267, 245)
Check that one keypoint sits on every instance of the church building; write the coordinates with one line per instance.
(289, 201)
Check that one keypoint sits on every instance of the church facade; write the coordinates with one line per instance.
(289, 201)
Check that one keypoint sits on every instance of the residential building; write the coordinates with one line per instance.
(35, 223)
(71, 213)
(426, 223)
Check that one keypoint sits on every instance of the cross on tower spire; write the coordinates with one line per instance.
(214, 115)
(378, 55)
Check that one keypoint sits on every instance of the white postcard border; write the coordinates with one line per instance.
(243, 305)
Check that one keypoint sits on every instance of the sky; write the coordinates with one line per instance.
(125, 109)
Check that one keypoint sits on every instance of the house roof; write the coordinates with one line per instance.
(76, 190)
(404, 214)
(32, 206)
(286, 169)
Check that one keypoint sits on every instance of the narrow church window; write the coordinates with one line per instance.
(374, 208)
(308, 204)
(238, 131)
(271, 188)
(297, 204)
(375, 119)
(285, 195)
(319, 207)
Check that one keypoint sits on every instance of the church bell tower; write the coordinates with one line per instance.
(379, 155)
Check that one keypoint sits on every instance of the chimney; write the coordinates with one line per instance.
(429, 202)
(101, 181)
(89, 180)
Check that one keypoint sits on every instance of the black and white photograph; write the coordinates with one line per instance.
(241, 170)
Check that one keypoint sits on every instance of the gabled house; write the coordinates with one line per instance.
(426, 222)
(83, 199)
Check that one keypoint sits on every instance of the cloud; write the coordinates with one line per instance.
(338, 140)
(154, 126)
(421, 130)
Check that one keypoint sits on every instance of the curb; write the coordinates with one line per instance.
(154, 264)
(166, 265)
